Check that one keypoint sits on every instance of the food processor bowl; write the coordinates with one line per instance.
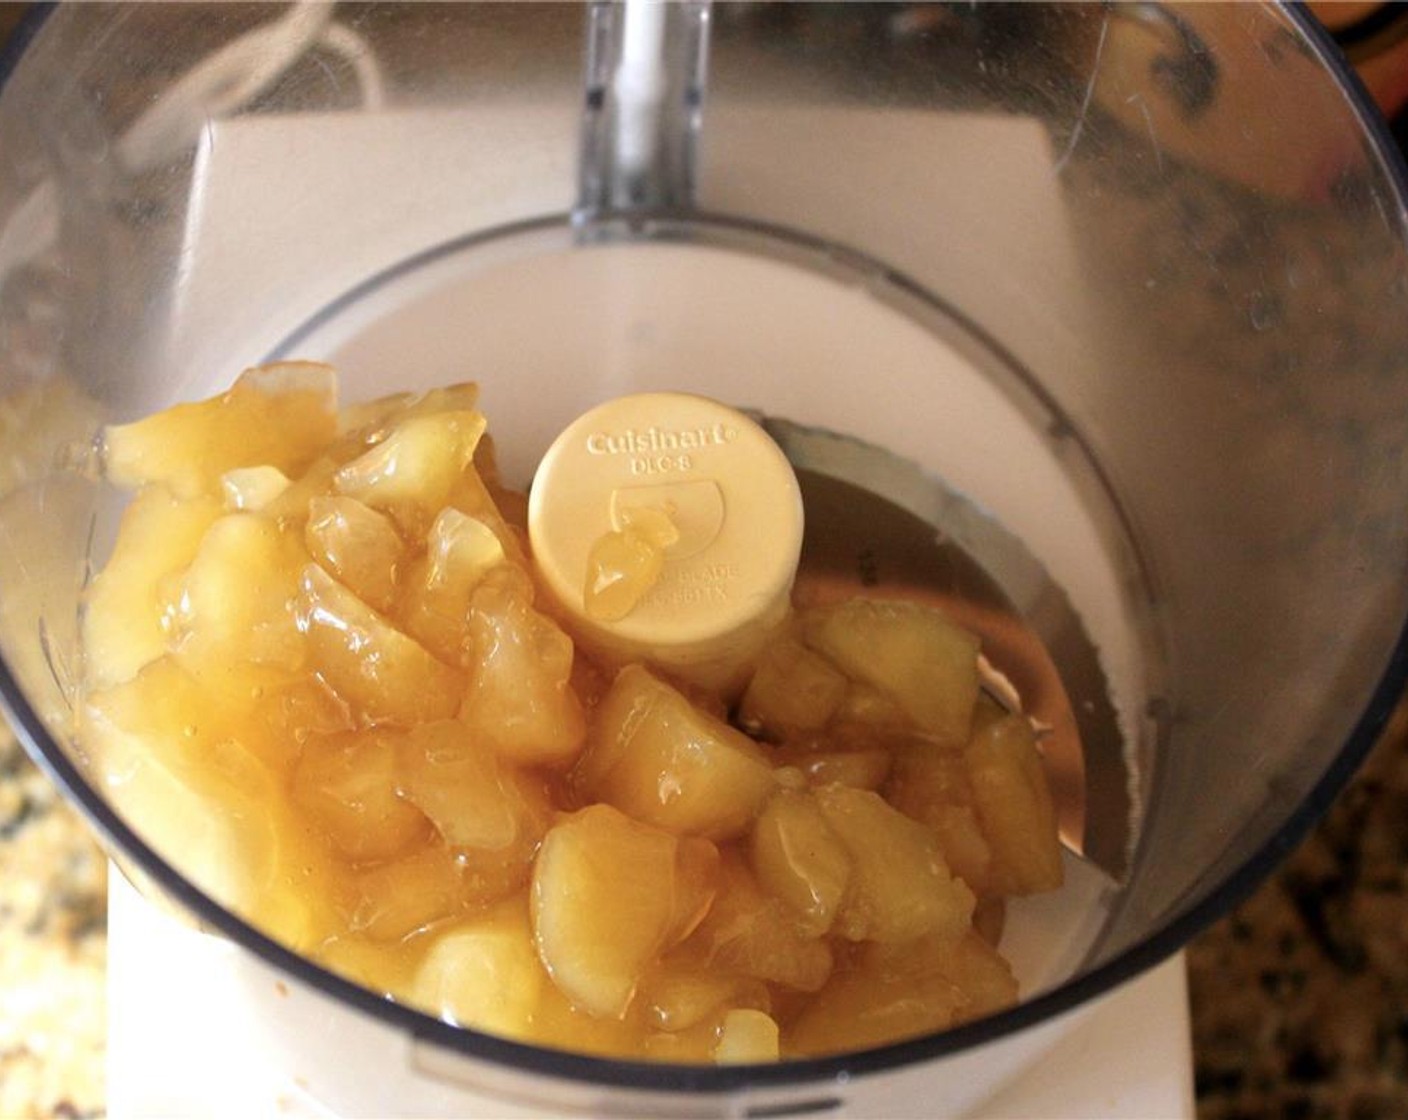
(1129, 281)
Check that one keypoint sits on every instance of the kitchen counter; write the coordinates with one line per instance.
(52, 949)
(1300, 995)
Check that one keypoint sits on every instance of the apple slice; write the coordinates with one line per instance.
(911, 652)
(605, 905)
(279, 416)
(657, 757)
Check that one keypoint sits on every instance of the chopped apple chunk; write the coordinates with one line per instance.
(520, 699)
(911, 653)
(484, 973)
(278, 416)
(371, 421)
(901, 887)
(413, 472)
(793, 690)
(604, 905)
(124, 617)
(799, 859)
(656, 756)
(188, 772)
(746, 1036)
(681, 997)
(460, 552)
(357, 546)
(861, 768)
(252, 488)
(931, 786)
(383, 675)
(475, 799)
(394, 899)
(347, 785)
(905, 991)
(236, 600)
(1015, 807)
(749, 933)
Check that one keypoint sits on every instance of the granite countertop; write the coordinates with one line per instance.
(53, 949)
(1300, 995)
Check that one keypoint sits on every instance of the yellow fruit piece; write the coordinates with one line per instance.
(483, 972)
(386, 968)
(622, 568)
(184, 770)
(697, 865)
(654, 524)
(384, 676)
(749, 933)
(873, 1007)
(931, 786)
(460, 551)
(346, 786)
(395, 899)
(923, 778)
(694, 1046)
(862, 769)
(657, 757)
(1014, 806)
(472, 496)
(604, 905)
(983, 979)
(520, 699)
(123, 608)
(966, 848)
(800, 860)
(896, 992)
(475, 799)
(865, 714)
(900, 886)
(252, 488)
(680, 997)
(560, 1024)
(279, 416)
(296, 709)
(289, 510)
(371, 421)
(359, 547)
(235, 602)
(746, 1036)
(910, 652)
(625, 565)
(412, 473)
(793, 691)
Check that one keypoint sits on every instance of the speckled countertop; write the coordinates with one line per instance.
(1300, 996)
(53, 941)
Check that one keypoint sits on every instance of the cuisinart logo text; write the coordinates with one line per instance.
(655, 450)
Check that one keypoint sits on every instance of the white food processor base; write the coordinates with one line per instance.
(188, 1038)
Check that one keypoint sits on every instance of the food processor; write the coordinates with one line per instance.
(1109, 294)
